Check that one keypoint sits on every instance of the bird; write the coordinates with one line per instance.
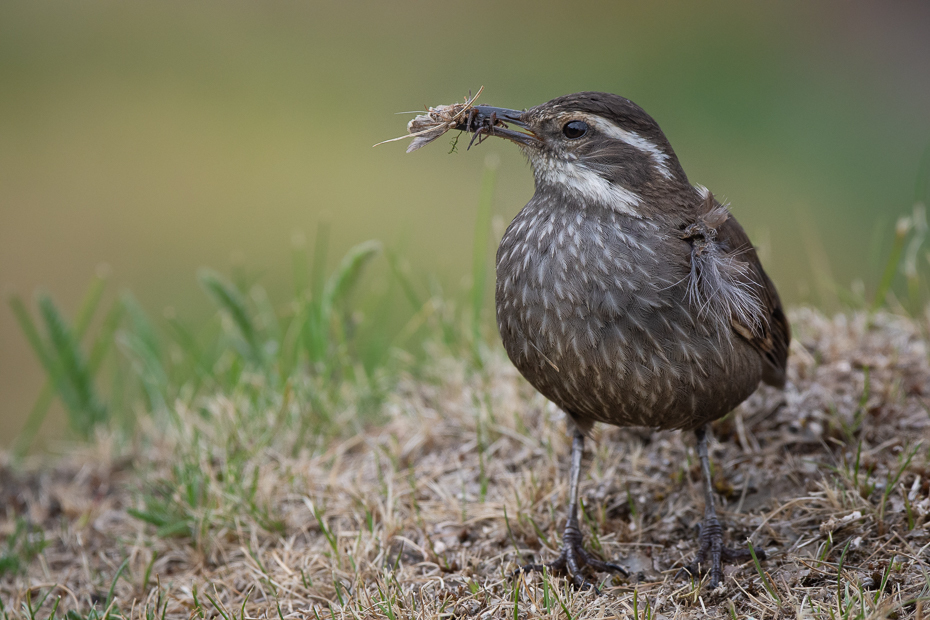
(627, 295)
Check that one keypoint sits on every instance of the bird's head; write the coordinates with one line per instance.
(593, 147)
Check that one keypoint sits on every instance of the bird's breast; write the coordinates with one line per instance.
(593, 310)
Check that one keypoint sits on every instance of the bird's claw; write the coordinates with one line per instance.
(574, 559)
(713, 552)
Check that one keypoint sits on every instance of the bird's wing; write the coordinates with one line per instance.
(770, 337)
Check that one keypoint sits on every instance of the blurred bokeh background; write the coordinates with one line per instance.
(161, 137)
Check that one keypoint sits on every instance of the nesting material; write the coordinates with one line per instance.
(425, 128)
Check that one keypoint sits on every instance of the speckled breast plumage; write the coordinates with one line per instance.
(593, 309)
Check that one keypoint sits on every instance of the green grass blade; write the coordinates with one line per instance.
(314, 333)
(266, 315)
(86, 312)
(148, 369)
(219, 608)
(839, 569)
(141, 325)
(119, 572)
(770, 588)
(34, 421)
(29, 329)
(200, 360)
(347, 275)
(104, 341)
(480, 249)
(76, 386)
(140, 343)
(290, 341)
(54, 611)
(299, 261)
(90, 303)
(902, 229)
(403, 279)
(46, 396)
(328, 331)
(318, 268)
(231, 302)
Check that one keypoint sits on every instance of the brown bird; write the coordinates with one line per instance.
(625, 294)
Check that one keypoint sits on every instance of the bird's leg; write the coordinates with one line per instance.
(484, 130)
(470, 123)
(711, 536)
(574, 557)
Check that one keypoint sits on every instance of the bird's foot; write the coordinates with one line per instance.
(575, 559)
(712, 554)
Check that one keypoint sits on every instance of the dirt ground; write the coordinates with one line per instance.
(427, 514)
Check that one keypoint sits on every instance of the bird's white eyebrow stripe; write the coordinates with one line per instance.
(636, 141)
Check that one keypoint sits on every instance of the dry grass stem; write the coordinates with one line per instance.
(407, 519)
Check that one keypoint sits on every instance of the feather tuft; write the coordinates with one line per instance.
(719, 284)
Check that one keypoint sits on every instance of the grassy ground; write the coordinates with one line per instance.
(424, 509)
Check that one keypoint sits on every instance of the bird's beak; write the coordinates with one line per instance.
(488, 120)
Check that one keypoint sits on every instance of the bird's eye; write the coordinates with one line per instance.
(575, 129)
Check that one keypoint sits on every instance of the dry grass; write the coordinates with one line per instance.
(427, 514)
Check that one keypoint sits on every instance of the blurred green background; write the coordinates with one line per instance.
(161, 137)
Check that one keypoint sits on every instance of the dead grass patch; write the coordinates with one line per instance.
(426, 515)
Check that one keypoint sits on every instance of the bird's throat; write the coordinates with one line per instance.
(584, 186)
